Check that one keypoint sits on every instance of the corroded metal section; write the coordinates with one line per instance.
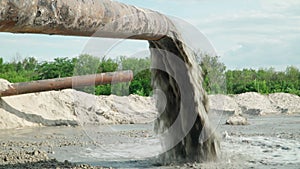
(68, 82)
(99, 18)
(183, 123)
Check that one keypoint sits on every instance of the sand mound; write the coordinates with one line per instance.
(71, 107)
(113, 109)
(11, 121)
(224, 104)
(45, 105)
(255, 104)
(286, 103)
(4, 84)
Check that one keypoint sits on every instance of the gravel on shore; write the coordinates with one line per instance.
(33, 149)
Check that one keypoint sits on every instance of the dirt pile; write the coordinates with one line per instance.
(224, 104)
(4, 84)
(71, 107)
(9, 120)
(255, 104)
(285, 103)
(90, 109)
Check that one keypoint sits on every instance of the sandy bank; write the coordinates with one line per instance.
(255, 104)
(70, 107)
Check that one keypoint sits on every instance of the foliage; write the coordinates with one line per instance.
(19, 71)
(60, 67)
(214, 74)
(216, 78)
(86, 64)
(264, 81)
(141, 83)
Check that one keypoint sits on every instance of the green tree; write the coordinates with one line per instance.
(214, 74)
(86, 64)
(141, 83)
(29, 64)
(60, 67)
(107, 65)
(1, 65)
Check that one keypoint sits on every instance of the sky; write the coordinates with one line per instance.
(245, 33)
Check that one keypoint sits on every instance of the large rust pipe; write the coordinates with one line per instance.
(99, 18)
(68, 82)
(184, 123)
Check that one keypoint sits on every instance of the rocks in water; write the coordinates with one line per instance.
(237, 120)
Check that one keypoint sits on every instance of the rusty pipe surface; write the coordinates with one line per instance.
(97, 18)
(68, 82)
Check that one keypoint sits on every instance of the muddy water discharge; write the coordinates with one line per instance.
(183, 124)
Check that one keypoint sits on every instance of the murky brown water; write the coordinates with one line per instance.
(268, 142)
(183, 125)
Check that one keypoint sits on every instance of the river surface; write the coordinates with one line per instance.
(268, 142)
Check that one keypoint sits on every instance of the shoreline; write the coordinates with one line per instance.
(277, 142)
(72, 108)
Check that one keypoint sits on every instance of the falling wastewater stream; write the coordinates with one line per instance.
(183, 125)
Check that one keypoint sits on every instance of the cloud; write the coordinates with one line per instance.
(278, 54)
(245, 33)
(43, 47)
(287, 6)
(264, 36)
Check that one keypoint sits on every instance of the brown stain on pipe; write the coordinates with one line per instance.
(68, 82)
(105, 18)
(97, 18)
